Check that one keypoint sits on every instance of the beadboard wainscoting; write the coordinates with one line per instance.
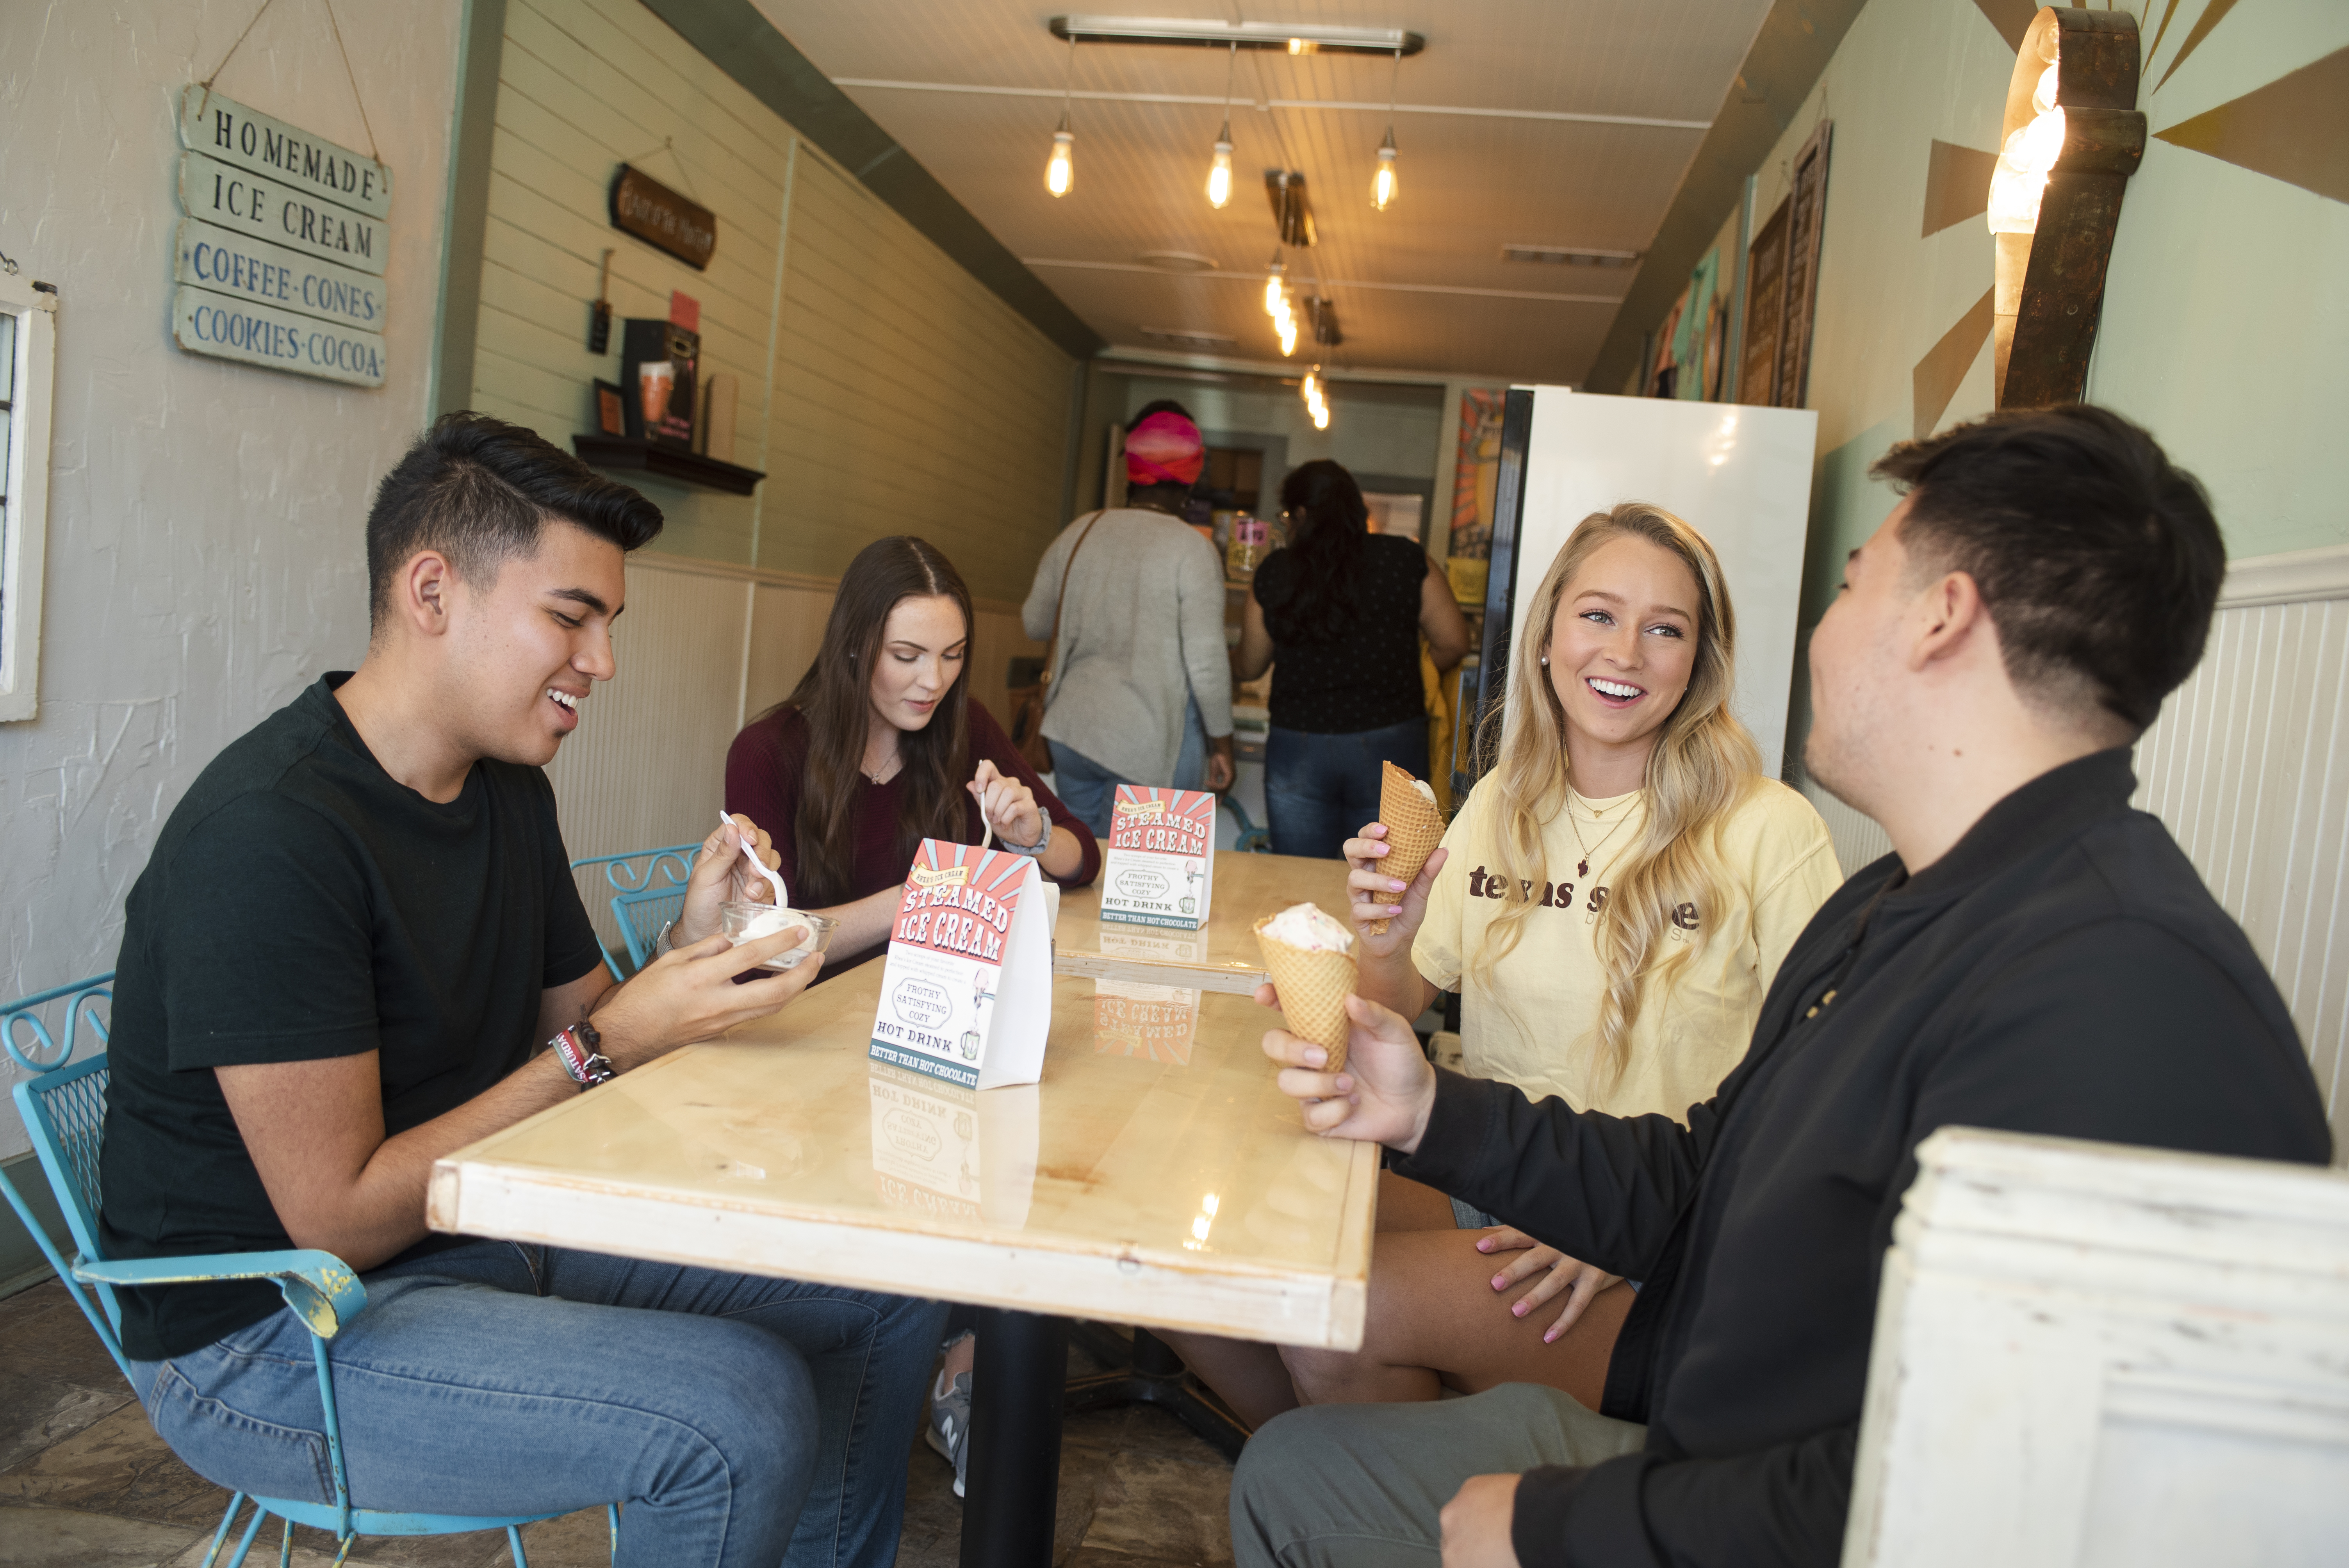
(703, 648)
(2249, 767)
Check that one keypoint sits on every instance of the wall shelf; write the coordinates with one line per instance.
(667, 462)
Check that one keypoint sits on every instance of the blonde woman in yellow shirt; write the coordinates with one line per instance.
(1611, 902)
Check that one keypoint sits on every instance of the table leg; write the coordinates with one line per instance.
(1013, 1486)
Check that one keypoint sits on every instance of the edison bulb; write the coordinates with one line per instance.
(1287, 336)
(1059, 173)
(1219, 171)
(1383, 183)
(1272, 291)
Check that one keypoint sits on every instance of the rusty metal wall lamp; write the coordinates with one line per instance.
(2055, 198)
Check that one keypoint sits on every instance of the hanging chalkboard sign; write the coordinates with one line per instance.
(643, 206)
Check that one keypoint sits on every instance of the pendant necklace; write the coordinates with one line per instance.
(1582, 867)
(881, 775)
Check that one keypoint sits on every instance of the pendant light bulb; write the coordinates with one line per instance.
(1059, 170)
(1287, 335)
(1383, 184)
(1219, 171)
(1272, 287)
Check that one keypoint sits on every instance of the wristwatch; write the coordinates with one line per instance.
(580, 1050)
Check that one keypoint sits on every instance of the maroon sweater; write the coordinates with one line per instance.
(766, 762)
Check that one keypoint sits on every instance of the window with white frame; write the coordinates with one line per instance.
(27, 353)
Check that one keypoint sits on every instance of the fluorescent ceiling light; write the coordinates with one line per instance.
(1570, 255)
(1290, 38)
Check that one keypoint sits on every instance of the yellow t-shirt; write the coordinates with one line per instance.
(1537, 1027)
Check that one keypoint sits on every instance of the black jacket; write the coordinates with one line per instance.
(2061, 970)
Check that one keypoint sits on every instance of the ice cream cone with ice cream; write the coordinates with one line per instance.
(1414, 827)
(1310, 958)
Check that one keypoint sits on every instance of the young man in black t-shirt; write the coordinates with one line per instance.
(356, 933)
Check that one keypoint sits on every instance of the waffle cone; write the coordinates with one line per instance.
(1313, 988)
(1414, 828)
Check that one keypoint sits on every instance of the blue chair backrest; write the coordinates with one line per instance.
(64, 1111)
(648, 891)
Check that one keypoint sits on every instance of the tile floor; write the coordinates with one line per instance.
(85, 1482)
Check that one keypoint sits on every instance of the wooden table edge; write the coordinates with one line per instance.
(1152, 1288)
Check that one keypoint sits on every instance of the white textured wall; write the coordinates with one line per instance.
(205, 558)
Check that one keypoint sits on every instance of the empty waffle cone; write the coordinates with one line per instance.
(1414, 828)
(1313, 987)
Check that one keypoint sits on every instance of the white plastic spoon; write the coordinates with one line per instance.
(782, 897)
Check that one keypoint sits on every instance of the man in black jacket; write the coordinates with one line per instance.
(2033, 956)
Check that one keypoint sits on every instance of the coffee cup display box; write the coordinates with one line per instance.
(658, 360)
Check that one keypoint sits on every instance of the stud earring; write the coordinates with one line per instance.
(1545, 661)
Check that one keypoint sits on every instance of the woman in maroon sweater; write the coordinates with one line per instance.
(880, 747)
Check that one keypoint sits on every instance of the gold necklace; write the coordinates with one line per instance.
(1582, 868)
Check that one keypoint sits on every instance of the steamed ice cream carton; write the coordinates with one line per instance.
(967, 995)
(1160, 866)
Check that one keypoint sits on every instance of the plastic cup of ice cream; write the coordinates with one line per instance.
(748, 922)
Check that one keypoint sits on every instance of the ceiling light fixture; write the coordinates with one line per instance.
(1292, 211)
(1060, 170)
(1272, 286)
(1219, 169)
(1316, 404)
(1382, 180)
(1569, 256)
(1292, 38)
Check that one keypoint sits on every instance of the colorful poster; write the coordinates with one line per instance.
(968, 993)
(1160, 867)
(1476, 473)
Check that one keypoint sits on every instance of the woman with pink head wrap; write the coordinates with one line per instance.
(1142, 693)
(1163, 449)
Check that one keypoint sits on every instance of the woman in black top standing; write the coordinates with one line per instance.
(1340, 611)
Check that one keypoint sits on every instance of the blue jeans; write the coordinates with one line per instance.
(1089, 790)
(735, 1417)
(1319, 790)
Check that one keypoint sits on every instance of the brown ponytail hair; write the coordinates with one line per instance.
(834, 700)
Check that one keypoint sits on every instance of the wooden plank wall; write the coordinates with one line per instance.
(2249, 765)
(882, 388)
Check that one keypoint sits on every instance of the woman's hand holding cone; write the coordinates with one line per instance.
(1384, 1094)
(1386, 910)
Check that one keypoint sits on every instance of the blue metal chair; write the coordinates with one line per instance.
(1252, 840)
(648, 891)
(64, 1110)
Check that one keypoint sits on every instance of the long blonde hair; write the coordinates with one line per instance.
(1702, 766)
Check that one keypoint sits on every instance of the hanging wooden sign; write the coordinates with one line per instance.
(222, 127)
(204, 322)
(643, 206)
(279, 259)
(212, 257)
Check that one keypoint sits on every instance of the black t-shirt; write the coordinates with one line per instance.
(1366, 679)
(302, 905)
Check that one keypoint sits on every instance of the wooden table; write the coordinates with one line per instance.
(1149, 1179)
(1224, 957)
